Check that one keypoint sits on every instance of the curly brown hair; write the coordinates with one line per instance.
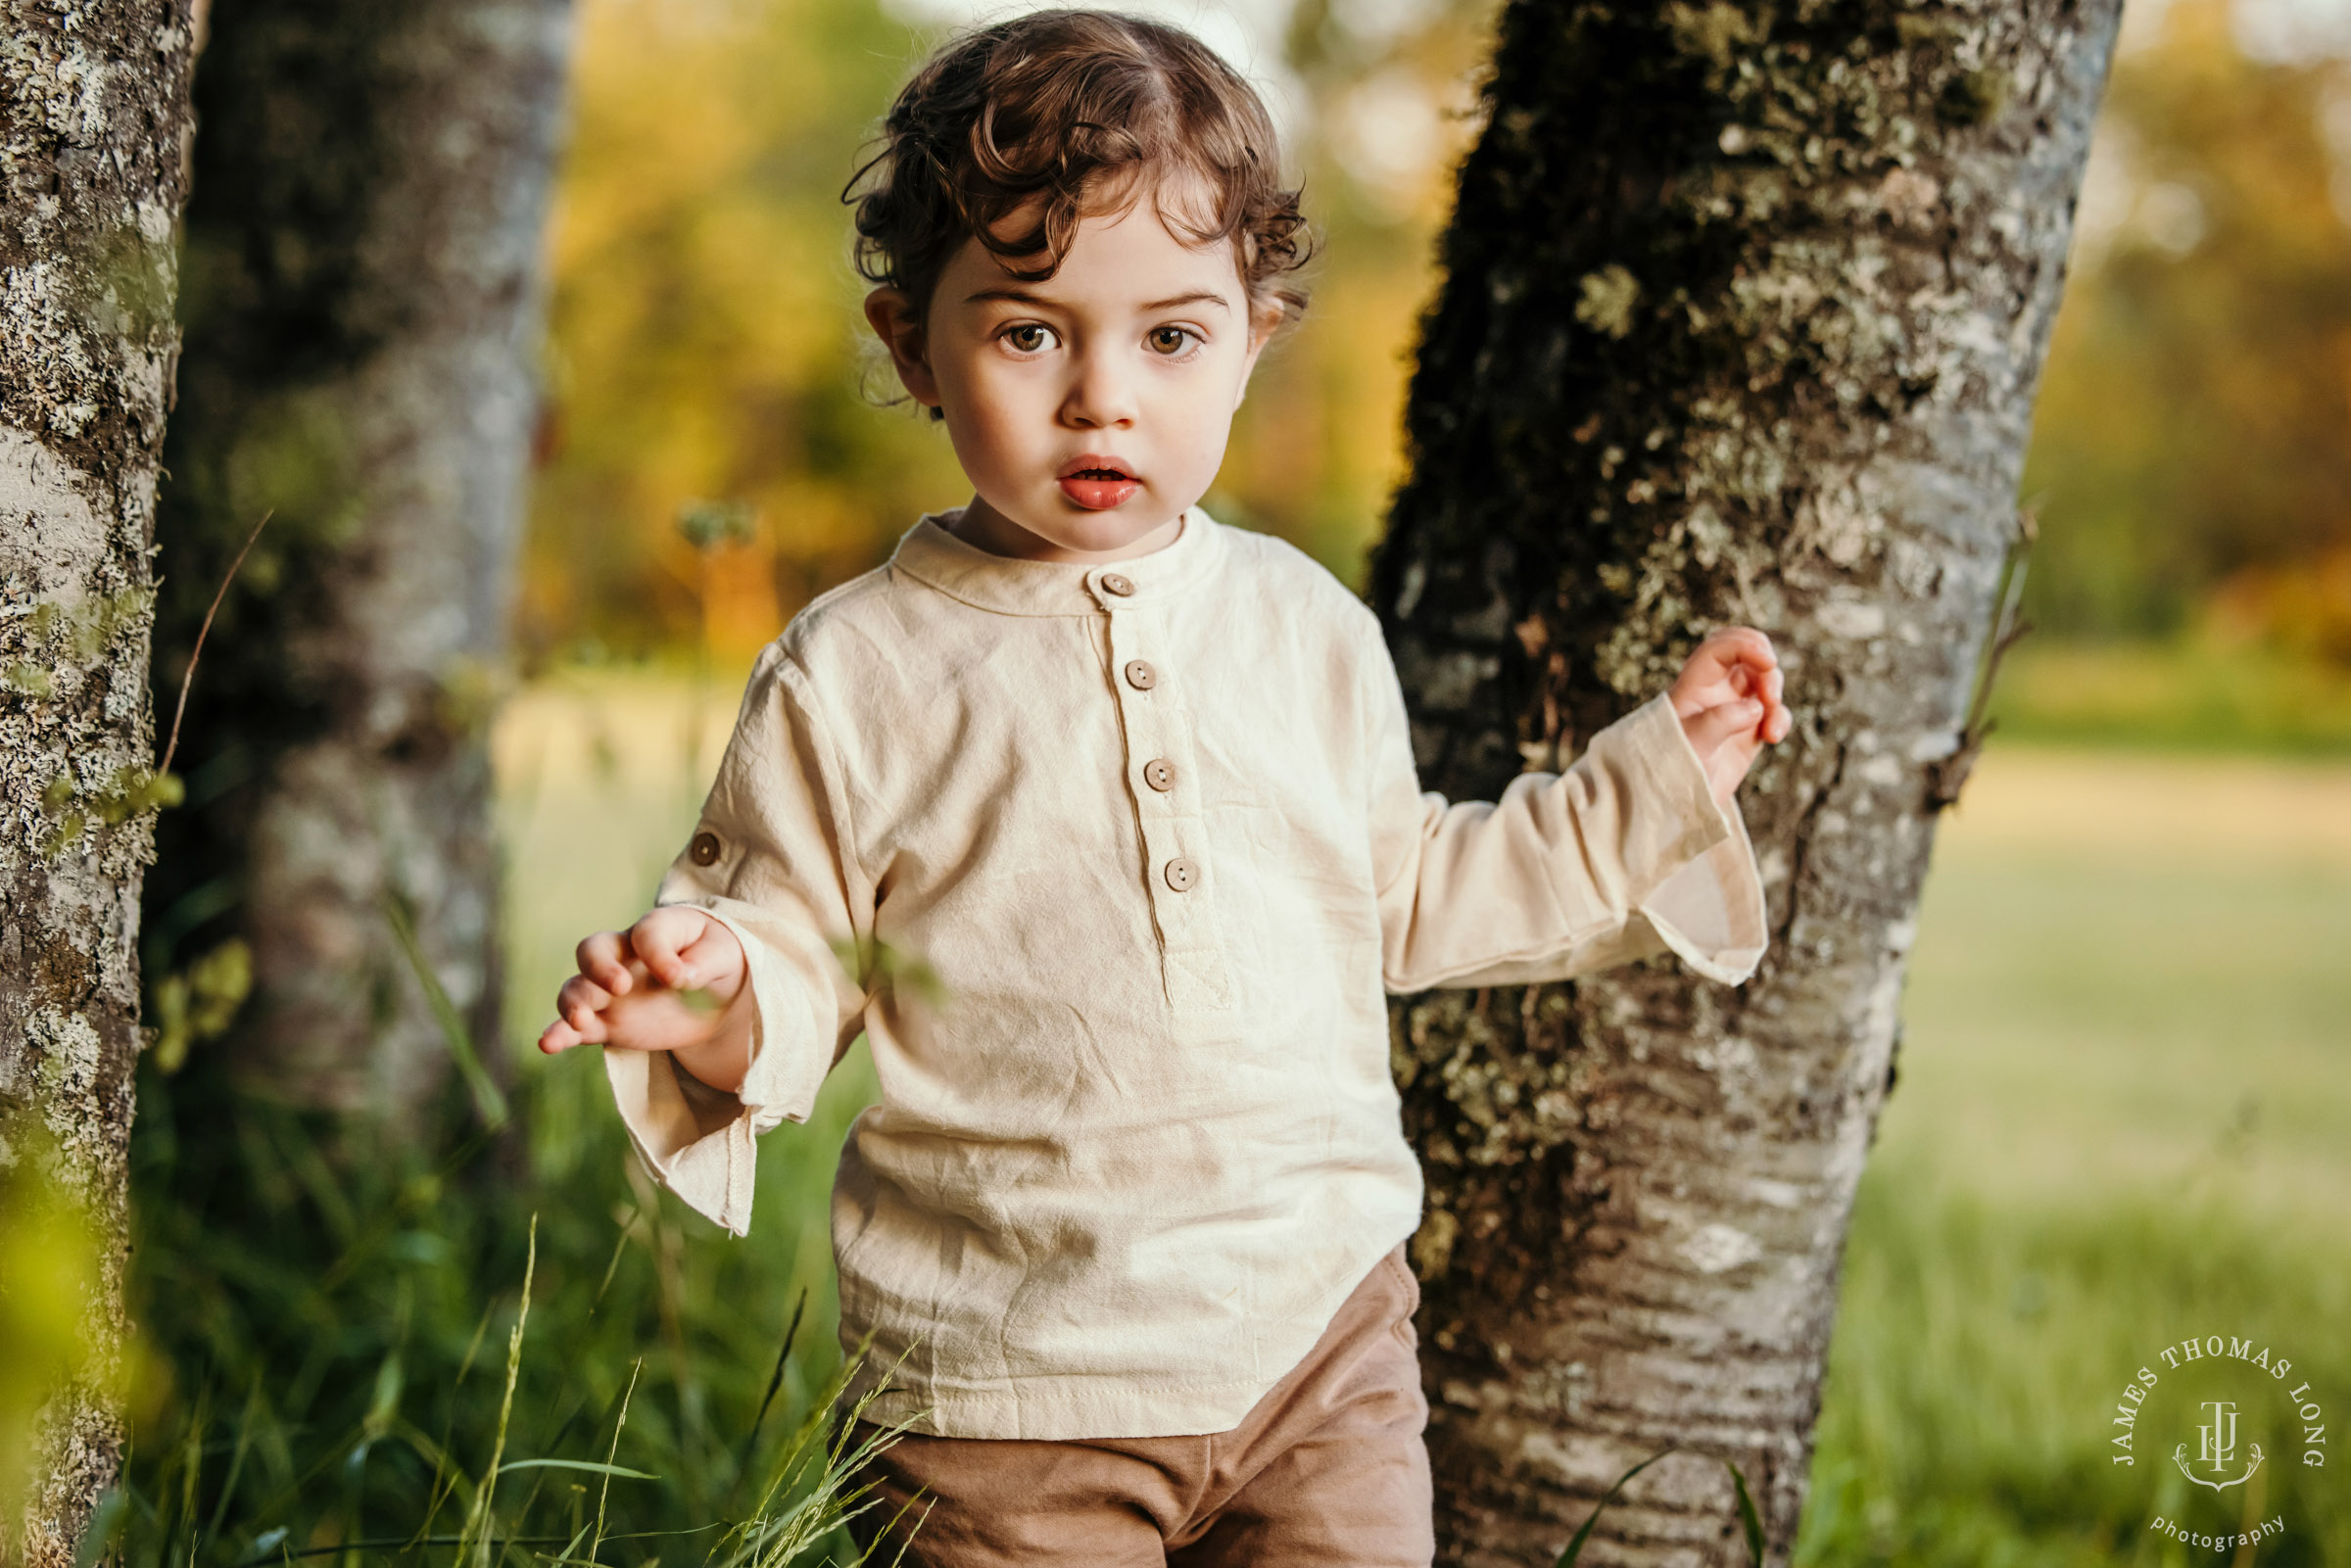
(1075, 111)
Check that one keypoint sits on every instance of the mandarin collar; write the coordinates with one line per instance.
(1008, 586)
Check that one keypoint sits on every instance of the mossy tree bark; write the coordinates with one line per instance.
(1743, 308)
(363, 292)
(93, 117)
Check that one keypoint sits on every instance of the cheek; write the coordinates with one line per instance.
(990, 416)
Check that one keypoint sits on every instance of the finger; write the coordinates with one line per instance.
(564, 1034)
(603, 958)
(1752, 650)
(579, 1002)
(586, 1025)
(581, 991)
(713, 955)
(1729, 662)
(1716, 725)
(657, 1019)
(660, 937)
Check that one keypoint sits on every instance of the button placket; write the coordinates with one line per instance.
(1161, 778)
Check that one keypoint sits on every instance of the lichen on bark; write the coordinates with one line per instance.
(1743, 308)
(93, 115)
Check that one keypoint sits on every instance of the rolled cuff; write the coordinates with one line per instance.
(698, 1141)
(1707, 903)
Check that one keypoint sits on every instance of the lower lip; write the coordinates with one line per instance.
(1099, 494)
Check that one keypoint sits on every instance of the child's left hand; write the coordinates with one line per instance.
(1728, 698)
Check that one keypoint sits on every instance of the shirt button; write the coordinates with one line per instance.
(1182, 873)
(1113, 583)
(703, 849)
(1141, 675)
(1159, 775)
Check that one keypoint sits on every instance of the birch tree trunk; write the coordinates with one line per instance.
(1743, 311)
(365, 285)
(93, 117)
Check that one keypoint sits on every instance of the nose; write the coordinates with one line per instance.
(1101, 395)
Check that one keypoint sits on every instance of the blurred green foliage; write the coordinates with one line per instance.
(49, 1285)
(2193, 693)
(2194, 424)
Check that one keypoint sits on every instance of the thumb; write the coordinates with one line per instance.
(715, 959)
(1709, 730)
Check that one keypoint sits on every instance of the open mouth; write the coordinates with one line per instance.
(1097, 482)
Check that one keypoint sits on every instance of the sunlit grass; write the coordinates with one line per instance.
(2190, 695)
(2122, 1119)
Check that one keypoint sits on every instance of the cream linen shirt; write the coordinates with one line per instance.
(1153, 829)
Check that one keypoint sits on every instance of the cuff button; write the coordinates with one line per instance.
(704, 848)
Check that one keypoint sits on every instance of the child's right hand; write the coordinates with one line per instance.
(638, 990)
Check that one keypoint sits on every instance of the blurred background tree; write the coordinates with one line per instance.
(2193, 457)
(363, 265)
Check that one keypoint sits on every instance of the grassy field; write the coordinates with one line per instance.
(2122, 1120)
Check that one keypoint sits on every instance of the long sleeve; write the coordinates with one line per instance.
(773, 859)
(1623, 855)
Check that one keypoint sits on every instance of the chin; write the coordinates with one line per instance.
(1095, 532)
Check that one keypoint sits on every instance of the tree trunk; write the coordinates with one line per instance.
(93, 117)
(1744, 309)
(363, 304)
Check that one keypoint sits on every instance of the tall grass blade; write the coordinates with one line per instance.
(236, 1463)
(489, 1102)
(775, 1381)
(1748, 1520)
(1575, 1545)
(1750, 1523)
(98, 1535)
(587, 1465)
(605, 1491)
(480, 1515)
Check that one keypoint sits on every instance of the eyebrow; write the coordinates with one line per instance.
(1025, 297)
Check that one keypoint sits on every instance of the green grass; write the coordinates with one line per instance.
(2185, 695)
(326, 1313)
(2122, 1120)
(337, 1349)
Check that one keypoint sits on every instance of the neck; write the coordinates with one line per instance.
(984, 528)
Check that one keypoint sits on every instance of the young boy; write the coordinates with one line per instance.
(1138, 789)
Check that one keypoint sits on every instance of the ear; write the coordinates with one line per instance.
(890, 313)
(1262, 325)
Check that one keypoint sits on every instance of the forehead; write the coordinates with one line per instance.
(1128, 240)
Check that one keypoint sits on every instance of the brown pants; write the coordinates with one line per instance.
(1327, 1472)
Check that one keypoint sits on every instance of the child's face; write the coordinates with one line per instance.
(1090, 410)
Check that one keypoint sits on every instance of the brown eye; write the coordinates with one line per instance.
(1028, 338)
(1169, 340)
